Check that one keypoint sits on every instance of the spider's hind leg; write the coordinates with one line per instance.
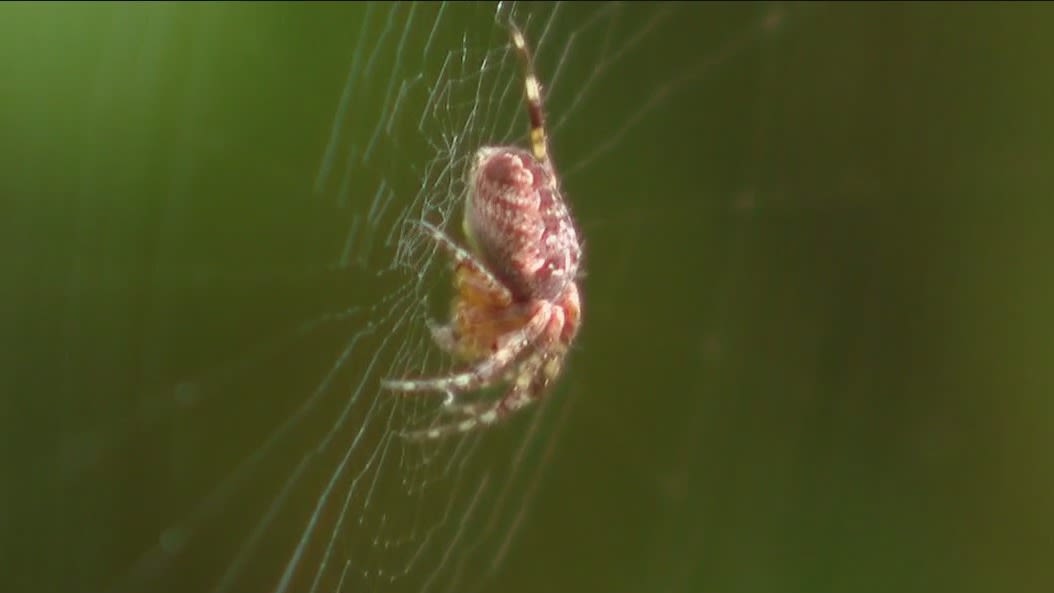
(529, 386)
(487, 370)
(453, 408)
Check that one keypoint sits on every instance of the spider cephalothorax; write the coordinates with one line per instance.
(517, 306)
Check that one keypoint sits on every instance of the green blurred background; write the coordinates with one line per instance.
(816, 354)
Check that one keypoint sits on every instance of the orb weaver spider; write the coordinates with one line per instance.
(517, 309)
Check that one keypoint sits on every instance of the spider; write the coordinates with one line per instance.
(517, 310)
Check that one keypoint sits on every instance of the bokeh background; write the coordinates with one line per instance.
(818, 330)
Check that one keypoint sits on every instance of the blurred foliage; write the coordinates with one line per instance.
(817, 345)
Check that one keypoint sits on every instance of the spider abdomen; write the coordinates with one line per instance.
(520, 224)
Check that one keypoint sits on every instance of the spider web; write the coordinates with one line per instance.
(277, 467)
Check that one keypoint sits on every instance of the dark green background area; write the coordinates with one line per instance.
(817, 343)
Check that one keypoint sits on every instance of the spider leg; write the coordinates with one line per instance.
(543, 368)
(479, 317)
(467, 409)
(453, 408)
(527, 389)
(464, 258)
(486, 370)
(443, 335)
(533, 91)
